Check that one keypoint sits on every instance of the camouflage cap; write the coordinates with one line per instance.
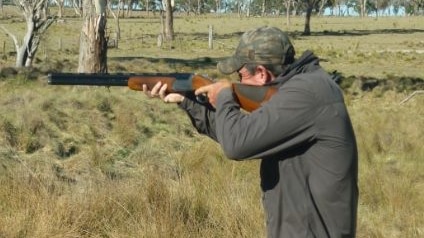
(264, 45)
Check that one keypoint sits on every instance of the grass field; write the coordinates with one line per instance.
(93, 162)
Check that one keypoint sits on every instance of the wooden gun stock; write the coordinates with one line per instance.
(251, 97)
(175, 85)
(248, 96)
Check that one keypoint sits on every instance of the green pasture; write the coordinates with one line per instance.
(382, 47)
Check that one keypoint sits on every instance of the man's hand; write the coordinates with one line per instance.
(159, 91)
(212, 90)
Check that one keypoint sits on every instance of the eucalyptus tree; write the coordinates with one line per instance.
(77, 6)
(119, 6)
(147, 6)
(323, 4)
(93, 42)
(414, 7)
(124, 6)
(217, 6)
(169, 19)
(397, 4)
(309, 7)
(288, 4)
(339, 6)
(37, 22)
(117, 26)
(263, 7)
(60, 4)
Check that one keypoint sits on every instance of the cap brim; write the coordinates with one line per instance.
(229, 65)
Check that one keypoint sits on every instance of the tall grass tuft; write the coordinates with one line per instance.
(391, 177)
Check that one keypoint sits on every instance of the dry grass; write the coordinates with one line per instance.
(101, 168)
(92, 162)
(391, 178)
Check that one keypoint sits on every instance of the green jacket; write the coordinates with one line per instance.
(306, 142)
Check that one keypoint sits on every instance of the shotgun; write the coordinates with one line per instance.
(248, 96)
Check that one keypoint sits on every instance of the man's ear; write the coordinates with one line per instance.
(264, 76)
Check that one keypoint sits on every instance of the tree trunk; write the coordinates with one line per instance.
(60, 4)
(29, 47)
(288, 4)
(120, 6)
(77, 5)
(238, 4)
(295, 9)
(263, 8)
(248, 8)
(169, 21)
(129, 8)
(117, 26)
(93, 43)
(217, 6)
(376, 9)
(363, 7)
(321, 7)
(37, 21)
(307, 30)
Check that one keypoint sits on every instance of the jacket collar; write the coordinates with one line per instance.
(306, 63)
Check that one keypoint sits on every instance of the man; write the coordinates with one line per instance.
(303, 135)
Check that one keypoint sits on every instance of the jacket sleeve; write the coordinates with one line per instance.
(202, 116)
(279, 125)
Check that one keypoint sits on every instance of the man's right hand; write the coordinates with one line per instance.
(159, 91)
(212, 90)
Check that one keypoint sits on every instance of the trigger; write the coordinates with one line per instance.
(202, 98)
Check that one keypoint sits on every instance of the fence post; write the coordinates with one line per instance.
(210, 37)
(45, 52)
(160, 40)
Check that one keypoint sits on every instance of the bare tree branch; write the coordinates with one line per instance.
(411, 96)
(15, 40)
(37, 22)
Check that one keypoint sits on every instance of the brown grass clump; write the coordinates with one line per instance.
(391, 177)
(112, 164)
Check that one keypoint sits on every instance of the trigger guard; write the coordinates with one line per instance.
(202, 98)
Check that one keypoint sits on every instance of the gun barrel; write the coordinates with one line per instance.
(97, 79)
(88, 79)
(249, 97)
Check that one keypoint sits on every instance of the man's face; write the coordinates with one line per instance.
(260, 77)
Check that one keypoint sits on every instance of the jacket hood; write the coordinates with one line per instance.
(307, 62)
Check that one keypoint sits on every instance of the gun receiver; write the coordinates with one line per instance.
(249, 97)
